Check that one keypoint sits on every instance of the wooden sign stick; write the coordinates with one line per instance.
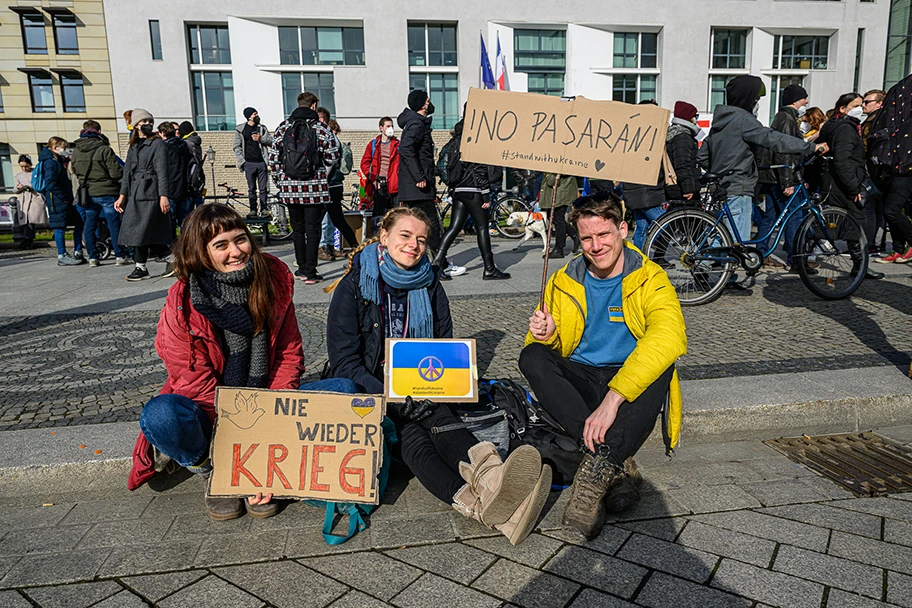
(541, 300)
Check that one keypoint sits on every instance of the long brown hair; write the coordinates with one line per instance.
(191, 256)
(134, 137)
(388, 222)
(815, 117)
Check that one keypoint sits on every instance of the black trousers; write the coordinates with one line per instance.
(561, 227)
(337, 216)
(899, 191)
(430, 210)
(467, 203)
(305, 224)
(571, 391)
(256, 178)
(434, 458)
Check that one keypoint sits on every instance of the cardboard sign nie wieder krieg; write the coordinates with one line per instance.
(297, 444)
(580, 137)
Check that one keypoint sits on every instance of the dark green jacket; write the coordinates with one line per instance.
(103, 177)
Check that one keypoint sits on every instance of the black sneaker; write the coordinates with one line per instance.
(252, 215)
(300, 274)
(313, 279)
(138, 274)
(169, 271)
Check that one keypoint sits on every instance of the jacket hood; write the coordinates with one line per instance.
(457, 129)
(409, 116)
(743, 92)
(679, 126)
(46, 154)
(300, 113)
(192, 137)
(725, 115)
(91, 141)
(837, 122)
(577, 267)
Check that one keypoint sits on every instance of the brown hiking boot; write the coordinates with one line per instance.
(523, 520)
(494, 488)
(585, 511)
(261, 511)
(221, 509)
(324, 253)
(626, 493)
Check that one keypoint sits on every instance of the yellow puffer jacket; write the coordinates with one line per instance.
(652, 314)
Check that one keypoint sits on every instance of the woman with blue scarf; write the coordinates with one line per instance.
(391, 290)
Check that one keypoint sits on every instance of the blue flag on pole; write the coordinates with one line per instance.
(487, 74)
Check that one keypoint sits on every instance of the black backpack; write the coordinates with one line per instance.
(301, 151)
(450, 167)
(196, 178)
(887, 145)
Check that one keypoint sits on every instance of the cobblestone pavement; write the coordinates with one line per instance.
(85, 367)
(720, 525)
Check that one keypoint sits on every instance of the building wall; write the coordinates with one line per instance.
(21, 129)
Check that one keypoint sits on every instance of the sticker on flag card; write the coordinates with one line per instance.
(440, 370)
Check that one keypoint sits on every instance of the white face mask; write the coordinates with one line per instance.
(756, 109)
(856, 112)
(802, 111)
(388, 132)
(804, 128)
(62, 152)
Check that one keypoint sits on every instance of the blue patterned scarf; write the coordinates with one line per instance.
(415, 281)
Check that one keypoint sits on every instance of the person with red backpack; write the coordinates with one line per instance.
(303, 151)
(380, 164)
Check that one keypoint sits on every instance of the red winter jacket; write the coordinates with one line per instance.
(370, 164)
(190, 346)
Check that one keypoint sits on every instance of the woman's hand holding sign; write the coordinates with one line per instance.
(413, 411)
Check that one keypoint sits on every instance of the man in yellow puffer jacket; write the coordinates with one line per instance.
(600, 358)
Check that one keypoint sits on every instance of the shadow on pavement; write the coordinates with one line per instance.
(486, 342)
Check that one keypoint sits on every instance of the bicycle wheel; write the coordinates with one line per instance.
(279, 226)
(500, 213)
(839, 248)
(679, 243)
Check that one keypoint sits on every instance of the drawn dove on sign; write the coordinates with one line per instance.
(246, 413)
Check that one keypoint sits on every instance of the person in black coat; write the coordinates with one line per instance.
(843, 174)
(179, 159)
(681, 145)
(417, 174)
(58, 196)
(391, 290)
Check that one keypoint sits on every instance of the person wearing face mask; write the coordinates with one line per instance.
(811, 122)
(842, 176)
(58, 198)
(735, 131)
(30, 207)
(777, 185)
(391, 290)
(874, 186)
(251, 149)
(681, 145)
(144, 193)
(380, 164)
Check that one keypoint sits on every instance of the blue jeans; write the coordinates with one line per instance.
(113, 219)
(181, 430)
(180, 209)
(89, 215)
(328, 234)
(741, 208)
(60, 238)
(643, 218)
(768, 219)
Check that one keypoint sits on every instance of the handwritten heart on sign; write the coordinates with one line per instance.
(599, 165)
(363, 407)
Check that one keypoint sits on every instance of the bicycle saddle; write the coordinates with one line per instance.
(710, 177)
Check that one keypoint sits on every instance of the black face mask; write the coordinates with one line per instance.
(430, 108)
(146, 129)
(256, 120)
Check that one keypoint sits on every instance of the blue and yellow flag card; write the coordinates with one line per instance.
(440, 370)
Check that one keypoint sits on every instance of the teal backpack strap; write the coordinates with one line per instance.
(355, 522)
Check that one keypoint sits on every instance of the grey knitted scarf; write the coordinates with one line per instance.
(222, 298)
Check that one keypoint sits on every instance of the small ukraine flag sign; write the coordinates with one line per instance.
(442, 370)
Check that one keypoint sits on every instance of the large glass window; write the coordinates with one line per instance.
(41, 88)
(546, 84)
(539, 50)
(6, 168)
(321, 45)
(633, 88)
(209, 45)
(71, 87)
(318, 83)
(635, 50)
(155, 38)
(800, 52)
(899, 43)
(729, 49)
(34, 38)
(65, 34)
(431, 44)
(717, 90)
(444, 92)
(213, 101)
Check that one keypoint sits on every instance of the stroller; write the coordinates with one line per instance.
(103, 243)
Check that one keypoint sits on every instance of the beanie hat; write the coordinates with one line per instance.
(684, 110)
(416, 99)
(140, 114)
(185, 128)
(248, 112)
(793, 93)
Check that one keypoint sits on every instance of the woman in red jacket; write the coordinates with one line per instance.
(229, 320)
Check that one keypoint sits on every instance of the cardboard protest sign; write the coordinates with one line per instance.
(441, 370)
(581, 137)
(297, 444)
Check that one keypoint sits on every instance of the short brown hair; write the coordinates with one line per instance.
(307, 99)
(611, 209)
(879, 92)
(334, 126)
(191, 256)
(385, 119)
(91, 124)
(167, 128)
(323, 113)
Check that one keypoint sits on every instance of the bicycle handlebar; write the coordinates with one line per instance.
(807, 161)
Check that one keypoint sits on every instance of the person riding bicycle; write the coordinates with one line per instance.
(728, 149)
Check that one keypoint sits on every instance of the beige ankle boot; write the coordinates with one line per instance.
(523, 520)
(494, 489)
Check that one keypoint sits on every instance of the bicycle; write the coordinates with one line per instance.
(700, 251)
(503, 203)
(275, 226)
